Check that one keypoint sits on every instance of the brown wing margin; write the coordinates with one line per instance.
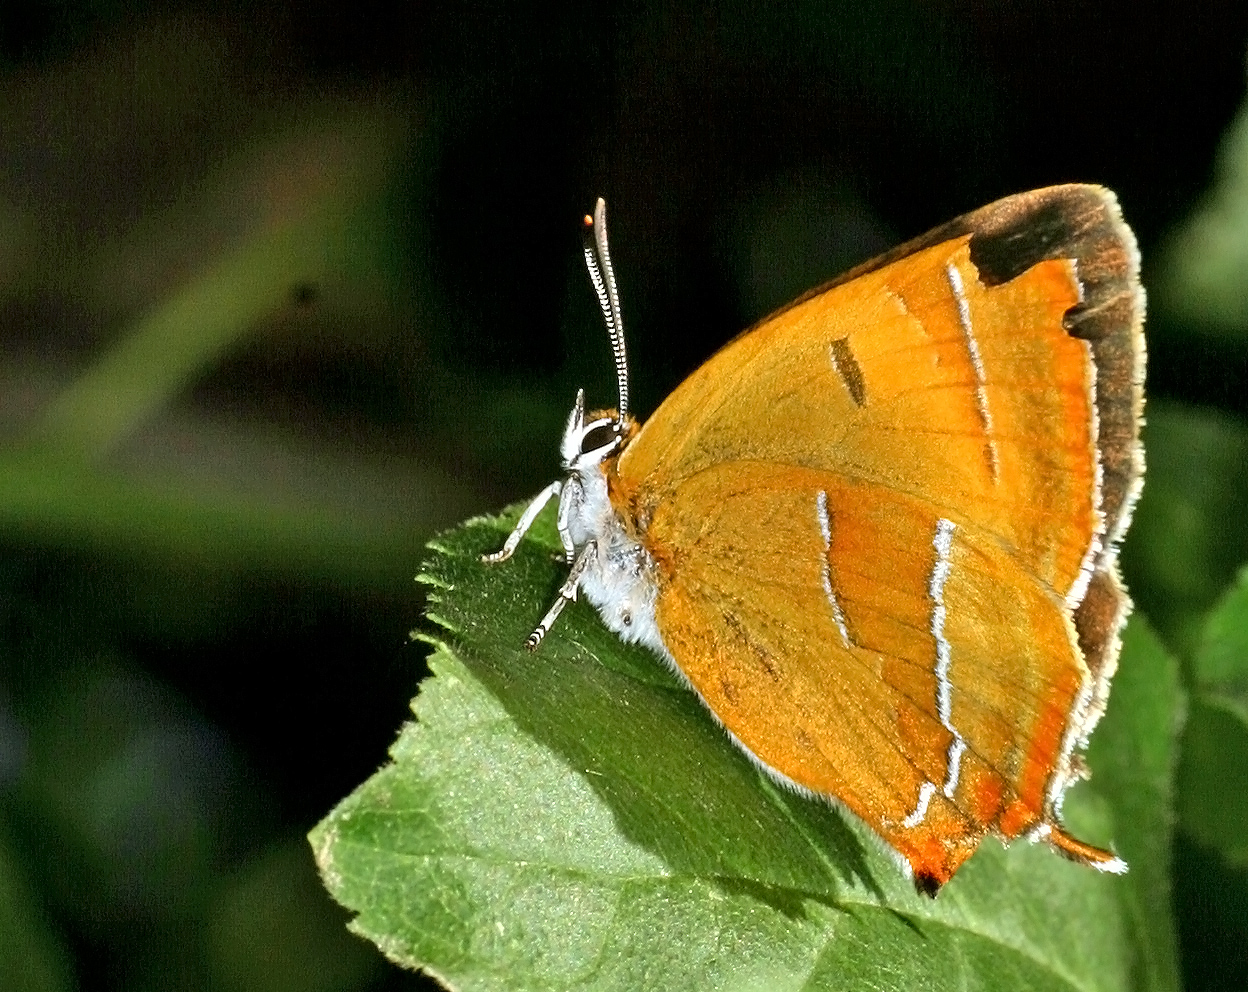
(1084, 223)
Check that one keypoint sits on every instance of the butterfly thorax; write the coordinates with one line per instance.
(619, 575)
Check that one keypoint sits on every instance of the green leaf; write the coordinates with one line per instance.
(1133, 757)
(1213, 775)
(574, 819)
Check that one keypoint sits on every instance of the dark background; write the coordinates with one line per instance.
(285, 290)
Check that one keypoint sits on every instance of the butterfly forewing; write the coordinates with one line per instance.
(994, 427)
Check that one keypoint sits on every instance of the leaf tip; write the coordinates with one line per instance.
(434, 581)
(442, 622)
(324, 839)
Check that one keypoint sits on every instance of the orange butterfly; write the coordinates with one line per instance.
(877, 533)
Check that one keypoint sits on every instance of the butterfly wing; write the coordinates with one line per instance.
(812, 613)
(897, 586)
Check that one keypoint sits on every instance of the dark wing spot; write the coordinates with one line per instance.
(847, 367)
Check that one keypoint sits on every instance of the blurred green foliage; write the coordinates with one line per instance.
(32, 955)
(1214, 774)
(1203, 273)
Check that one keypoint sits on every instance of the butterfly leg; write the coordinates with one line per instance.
(526, 521)
(567, 593)
(572, 493)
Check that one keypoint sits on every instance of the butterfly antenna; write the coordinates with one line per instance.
(598, 261)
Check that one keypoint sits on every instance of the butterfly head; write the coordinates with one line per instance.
(590, 441)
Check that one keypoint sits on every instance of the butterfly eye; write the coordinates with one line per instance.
(598, 438)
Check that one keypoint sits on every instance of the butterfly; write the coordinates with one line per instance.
(877, 532)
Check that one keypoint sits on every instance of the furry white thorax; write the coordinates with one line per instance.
(618, 573)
